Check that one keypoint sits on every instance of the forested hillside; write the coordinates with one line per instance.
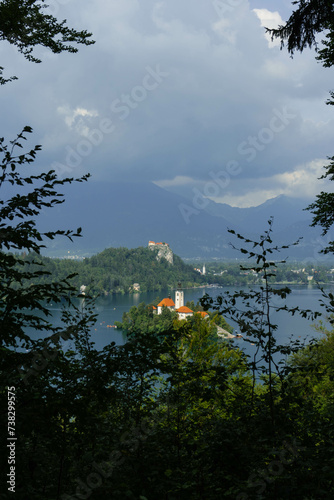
(116, 270)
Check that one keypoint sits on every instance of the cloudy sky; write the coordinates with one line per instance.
(189, 95)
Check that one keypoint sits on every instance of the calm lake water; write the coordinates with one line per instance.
(111, 309)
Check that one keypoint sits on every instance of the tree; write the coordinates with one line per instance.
(40, 376)
(300, 31)
(24, 304)
(252, 310)
(323, 208)
(24, 23)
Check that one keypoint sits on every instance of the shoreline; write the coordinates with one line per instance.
(217, 285)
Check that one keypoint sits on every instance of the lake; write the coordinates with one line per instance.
(111, 309)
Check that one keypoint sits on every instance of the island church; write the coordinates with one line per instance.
(183, 311)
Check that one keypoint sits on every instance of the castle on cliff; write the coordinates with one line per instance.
(157, 245)
(164, 251)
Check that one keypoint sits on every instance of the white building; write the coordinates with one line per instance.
(168, 302)
(183, 311)
(179, 297)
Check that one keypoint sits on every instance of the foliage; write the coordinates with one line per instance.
(172, 414)
(175, 414)
(322, 208)
(115, 270)
(143, 320)
(252, 310)
(216, 319)
(18, 305)
(24, 24)
(310, 18)
(39, 371)
(301, 30)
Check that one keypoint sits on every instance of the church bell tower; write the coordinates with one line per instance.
(179, 297)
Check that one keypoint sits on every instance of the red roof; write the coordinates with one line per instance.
(167, 303)
(184, 309)
(203, 313)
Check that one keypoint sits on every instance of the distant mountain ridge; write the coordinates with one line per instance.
(284, 209)
(131, 214)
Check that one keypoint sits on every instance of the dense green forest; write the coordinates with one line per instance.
(116, 270)
(171, 415)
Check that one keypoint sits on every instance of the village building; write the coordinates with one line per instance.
(203, 314)
(183, 311)
(201, 271)
(168, 302)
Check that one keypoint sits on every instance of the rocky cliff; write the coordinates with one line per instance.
(164, 252)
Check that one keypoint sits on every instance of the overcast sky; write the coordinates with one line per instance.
(181, 93)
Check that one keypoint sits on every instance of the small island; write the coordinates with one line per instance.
(163, 315)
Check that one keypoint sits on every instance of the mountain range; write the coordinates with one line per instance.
(114, 214)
